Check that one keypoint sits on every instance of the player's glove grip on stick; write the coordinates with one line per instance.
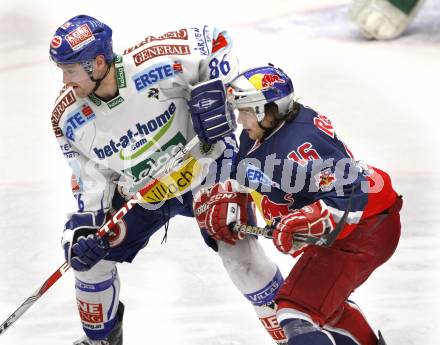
(83, 248)
(311, 220)
(215, 209)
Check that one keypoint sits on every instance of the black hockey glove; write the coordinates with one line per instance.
(82, 247)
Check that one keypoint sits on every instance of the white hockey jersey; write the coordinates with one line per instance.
(128, 139)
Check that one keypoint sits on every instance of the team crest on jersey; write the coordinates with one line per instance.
(325, 180)
(153, 92)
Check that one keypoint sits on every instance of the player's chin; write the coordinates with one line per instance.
(79, 92)
(253, 135)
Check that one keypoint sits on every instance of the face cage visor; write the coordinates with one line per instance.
(76, 73)
(254, 100)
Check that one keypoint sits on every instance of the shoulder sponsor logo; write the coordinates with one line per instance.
(79, 37)
(153, 75)
(160, 50)
(77, 119)
(325, 125)
(181, 34)
(135, 142)
(148, 168)
(59, 109)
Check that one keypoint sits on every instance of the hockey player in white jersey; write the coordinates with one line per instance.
(384, 19)
(118, 120)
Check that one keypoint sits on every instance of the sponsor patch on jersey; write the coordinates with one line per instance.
(68, 151)
(79, 37)
(254, 174)
(120, 72)
(160, 50)
(181, 34)
(174, 184)
(135, 141)
(58, 111)
(325, 180)
(76, 119)
(153, 75)
(203, 40)
(148, 168)
(271, 209)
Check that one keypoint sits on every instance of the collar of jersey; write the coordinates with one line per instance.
(121, 82)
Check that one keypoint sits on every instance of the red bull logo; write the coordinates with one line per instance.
(264, 81)
(273, 210)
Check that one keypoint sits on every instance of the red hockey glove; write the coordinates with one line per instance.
(218, 207)
(311, 220)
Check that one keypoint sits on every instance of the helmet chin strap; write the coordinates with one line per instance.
(99, 80)
(88, 66)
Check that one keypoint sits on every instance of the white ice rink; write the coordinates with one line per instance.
(383, 98)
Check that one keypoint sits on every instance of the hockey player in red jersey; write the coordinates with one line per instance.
(307, 182)
(118, 120)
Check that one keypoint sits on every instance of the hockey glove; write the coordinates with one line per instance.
(311, 220)
(383, 19)
(212, 116)
(82, 247)
(221, 205)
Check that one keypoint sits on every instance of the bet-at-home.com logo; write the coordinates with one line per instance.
(135, 142)
(149, 167)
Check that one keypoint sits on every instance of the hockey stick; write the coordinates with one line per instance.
(105, 229)
(325, 240)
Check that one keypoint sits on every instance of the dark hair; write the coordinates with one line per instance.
(271, 109)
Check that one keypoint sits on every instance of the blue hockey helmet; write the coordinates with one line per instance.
(256, 87)
(81, 39)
